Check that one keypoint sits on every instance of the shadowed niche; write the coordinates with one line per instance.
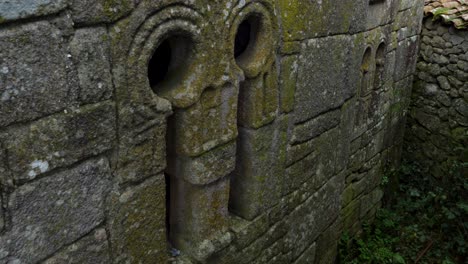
(169, 62)
(159, 63)
(242, 38)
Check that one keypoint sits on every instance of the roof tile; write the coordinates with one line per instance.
(453, 12)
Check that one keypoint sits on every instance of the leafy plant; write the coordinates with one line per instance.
(426, 223)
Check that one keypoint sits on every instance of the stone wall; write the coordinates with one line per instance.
(197, 131)
(437, 129)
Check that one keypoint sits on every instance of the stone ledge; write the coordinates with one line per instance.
(59, 140)
(11, 10)
(55, 211)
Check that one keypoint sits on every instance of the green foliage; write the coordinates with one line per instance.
(427, 223)
(440, 11)
(375, 245)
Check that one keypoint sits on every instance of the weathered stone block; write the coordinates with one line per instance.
(430, 122)
(5, 177)
(344, 141)
(142, 141)
(288, 80)
(376, 145)
(300, 172)
(410, 19)
(93, 248)
(36, 73)
(303, 20)
(271, 254)
(327, 243)
(258, 100)
(248, 231)
(406, 57)
(380, 13)
(326, 160)
(297, 152)
(137, 222)
(199, 214)
(90, 52)
(207, 168)
(55, 211)
(316, 126)
(308, 256)
(2, 214)
(59, 140)
(316, 92)
(102, 11)
(256, 182)
(313, 216)
(209, 123)
(264, 244)
(14, 10)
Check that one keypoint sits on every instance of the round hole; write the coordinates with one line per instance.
(169, 61)
(252, 42)
(159, 63)
(242, 38)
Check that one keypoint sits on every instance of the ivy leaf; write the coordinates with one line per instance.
(414, 192)
(397, 258)
(449, 214)
(463, 206)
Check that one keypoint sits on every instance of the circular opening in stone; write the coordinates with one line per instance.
(242, 38)
(169, 62)
(251, 40)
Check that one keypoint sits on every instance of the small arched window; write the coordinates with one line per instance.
(379, 66)
(366, 73)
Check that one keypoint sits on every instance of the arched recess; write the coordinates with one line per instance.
(167, 66)
(374, 114)
(366, 73)
(379, 66)
(365, 88)
(254, 183)
(153, 53)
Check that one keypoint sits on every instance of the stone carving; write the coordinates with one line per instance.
(252, 181)
(369, 93)
(203, 125)
(197, 131)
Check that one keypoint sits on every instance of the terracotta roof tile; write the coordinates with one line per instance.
(449, 11)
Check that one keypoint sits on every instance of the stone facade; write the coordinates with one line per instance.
(438, 118)
(197, 131)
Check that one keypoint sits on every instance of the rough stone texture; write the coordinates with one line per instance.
(437, 125)
(263, 157)
(308, 256)
(90, 51)
(58, 140)
(101, 11)
(92, 248)
(55, 211)
(330, 90)
(13, 10)
(28, 90)
(137, 222)
(2, 215)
